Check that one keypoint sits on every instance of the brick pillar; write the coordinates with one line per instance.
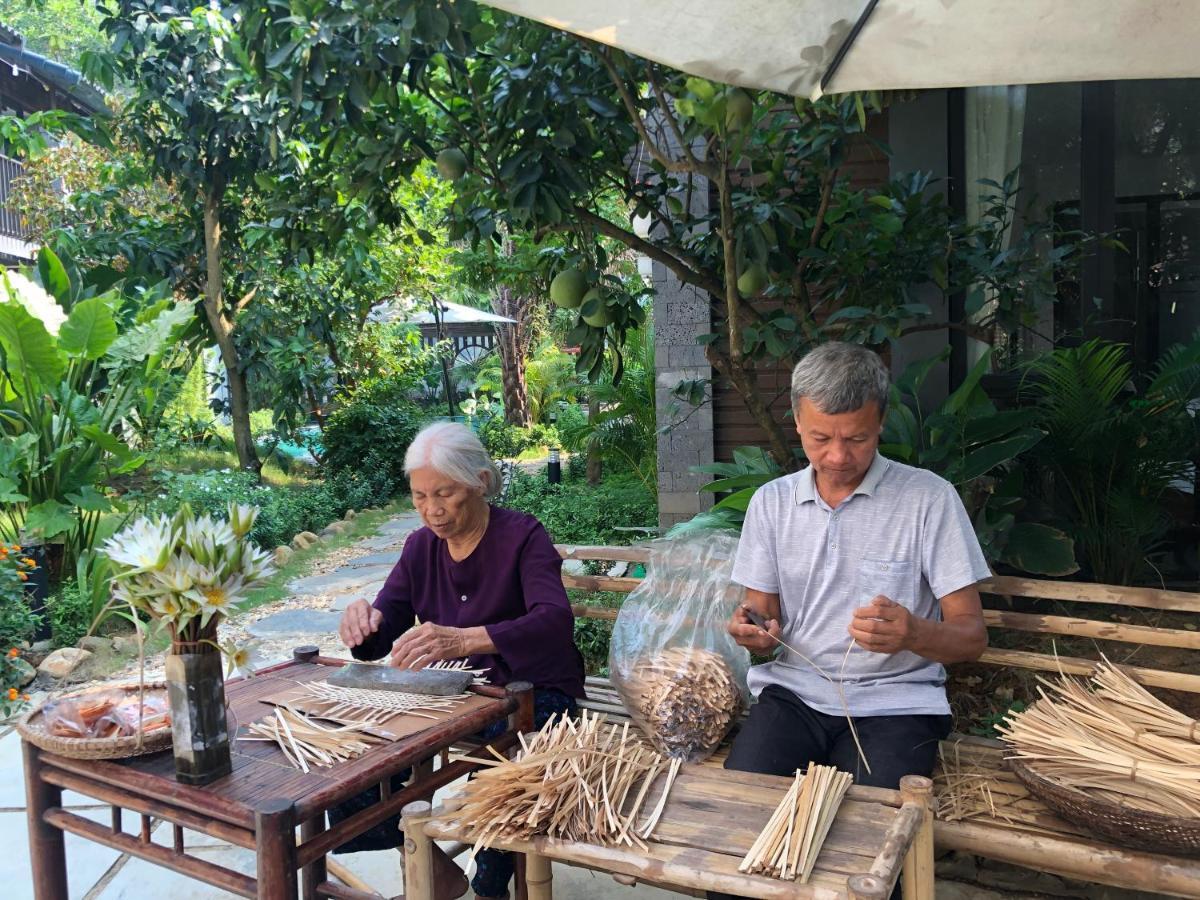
(681, 314)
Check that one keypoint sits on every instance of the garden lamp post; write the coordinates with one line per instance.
(554, 468)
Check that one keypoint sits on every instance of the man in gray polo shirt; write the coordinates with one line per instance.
(853, 550)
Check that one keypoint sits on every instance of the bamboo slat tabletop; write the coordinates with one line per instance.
(711, 819)
(260, 770)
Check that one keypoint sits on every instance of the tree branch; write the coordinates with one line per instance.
(670, 116)
(684, 273)
(635, 116)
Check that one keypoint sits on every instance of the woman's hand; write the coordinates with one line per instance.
(428, 643)
(359, 622)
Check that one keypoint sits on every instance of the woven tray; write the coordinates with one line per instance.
(32, 728)
(1119, 824)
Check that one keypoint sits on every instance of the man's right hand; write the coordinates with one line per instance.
(359, 622)
(751, 636)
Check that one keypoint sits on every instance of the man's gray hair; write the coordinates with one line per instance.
(838, 377)
(454, 451)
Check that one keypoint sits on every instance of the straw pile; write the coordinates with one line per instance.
(1113, 740)
(788, 846)
(685, 699)
(304, 740)
(575, 780)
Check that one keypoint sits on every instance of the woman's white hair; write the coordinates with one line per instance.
(454, 451)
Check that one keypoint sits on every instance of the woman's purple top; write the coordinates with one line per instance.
(511, 584)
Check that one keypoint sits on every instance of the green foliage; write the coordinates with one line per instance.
(60, 29)
(1114, 446)
(373, 428)
(504, 441)
(17, 621)
(12, 700)
(71, 389)
(577, 513)
(624, 430)
(592, 637)
(976, 447)
(752, 467)
(283, 512)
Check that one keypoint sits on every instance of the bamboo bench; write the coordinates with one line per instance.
(1021, 831)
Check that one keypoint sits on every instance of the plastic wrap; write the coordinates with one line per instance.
(678, 671)
(104, 714)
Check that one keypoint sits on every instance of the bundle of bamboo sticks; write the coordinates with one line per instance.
(579, 780)
(685, 699)
(304, 740)
(1113, 740)
(788, 846)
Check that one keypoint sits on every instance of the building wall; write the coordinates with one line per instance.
(685, 437)
(732, 424)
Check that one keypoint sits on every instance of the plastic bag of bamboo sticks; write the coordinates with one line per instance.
(679, 673)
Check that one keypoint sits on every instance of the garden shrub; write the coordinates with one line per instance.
(504, 441)
(575, 512)
(592, 637)
(375, 423)
(284, 512)
(17, 621)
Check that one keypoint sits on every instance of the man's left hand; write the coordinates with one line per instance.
(427, 643)
(883, 626)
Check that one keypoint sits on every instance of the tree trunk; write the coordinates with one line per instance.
(595, 466)
(512, 345)
(222, 321)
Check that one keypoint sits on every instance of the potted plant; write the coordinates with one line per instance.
(185, 574)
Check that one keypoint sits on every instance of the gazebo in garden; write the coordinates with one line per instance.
(471, 331)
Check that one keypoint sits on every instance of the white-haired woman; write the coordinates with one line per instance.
(486, 585)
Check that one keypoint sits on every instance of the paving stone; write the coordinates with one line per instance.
(401, 525)
(383, 542)
(139, 880)
(385, 558)
(340, 580)
(366, 592)
(295, 621)
(12, 784)
(86, 862)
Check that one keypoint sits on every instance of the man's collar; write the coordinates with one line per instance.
(806, 488)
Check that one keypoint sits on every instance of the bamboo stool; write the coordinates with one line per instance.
(710, 820)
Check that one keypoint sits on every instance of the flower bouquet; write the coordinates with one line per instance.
(185, 574)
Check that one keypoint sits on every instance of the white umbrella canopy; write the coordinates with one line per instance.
(810, 47)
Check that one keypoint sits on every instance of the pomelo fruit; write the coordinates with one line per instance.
(739, 109)
(594, 311)
(452, 164)
(567, 288)
(751, 282)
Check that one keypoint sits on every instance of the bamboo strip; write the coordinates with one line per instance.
(571, 780)
(303, 740)
(787, 848)
(1113, 740)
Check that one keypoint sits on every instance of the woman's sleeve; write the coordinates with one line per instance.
(548, 623)
(394, 600)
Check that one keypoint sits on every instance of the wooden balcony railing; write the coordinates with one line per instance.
(11, 223)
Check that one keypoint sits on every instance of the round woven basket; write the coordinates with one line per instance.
(1122, 825)
(32, 728)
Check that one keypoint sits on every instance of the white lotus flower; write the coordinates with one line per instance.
(37, 302)
(146, 544)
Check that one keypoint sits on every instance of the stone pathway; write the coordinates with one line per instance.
(309, 615)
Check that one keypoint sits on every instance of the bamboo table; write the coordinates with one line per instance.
(260, 804)
(711, 819)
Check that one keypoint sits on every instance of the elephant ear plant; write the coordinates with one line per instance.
(78, 364)
(185, 574)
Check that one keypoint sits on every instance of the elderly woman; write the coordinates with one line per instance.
(484, 583)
